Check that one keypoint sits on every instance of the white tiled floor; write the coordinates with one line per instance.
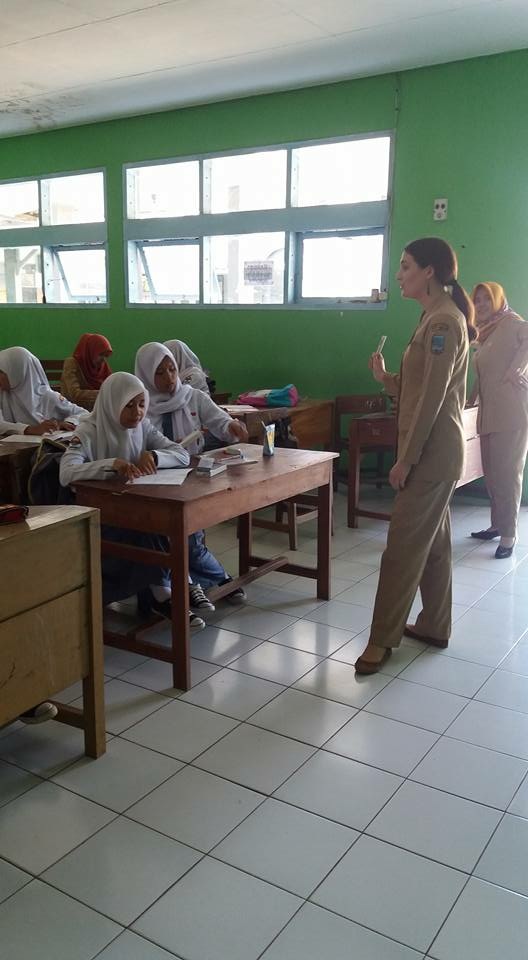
(284, 809)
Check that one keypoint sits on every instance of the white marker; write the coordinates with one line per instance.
(381, 344)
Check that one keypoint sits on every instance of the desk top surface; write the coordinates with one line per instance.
(235, 478)
(41, 517)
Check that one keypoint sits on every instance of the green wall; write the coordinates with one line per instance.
(460, 133)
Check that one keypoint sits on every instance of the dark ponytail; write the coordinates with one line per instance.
(438, 254)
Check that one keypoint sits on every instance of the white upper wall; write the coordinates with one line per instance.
(65, 62)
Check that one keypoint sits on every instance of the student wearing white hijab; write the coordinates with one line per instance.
(27, 402)
(191, 370)
(178, 410)
(116, 438)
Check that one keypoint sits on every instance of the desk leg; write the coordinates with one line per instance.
(324, 533)
(181, 647)
(245, 535)
(93, 684)
(354, 460)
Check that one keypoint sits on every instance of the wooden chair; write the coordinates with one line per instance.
(298, 510)
(53, 371)
(358, 405)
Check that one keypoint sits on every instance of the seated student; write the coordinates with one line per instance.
(116, 438)
(178, 410)
(83, 374)
(190, 369)
(27, 402)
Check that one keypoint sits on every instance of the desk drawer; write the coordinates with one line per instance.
(43, 651)
(35, 569)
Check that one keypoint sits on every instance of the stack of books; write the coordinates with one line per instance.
(210, 464)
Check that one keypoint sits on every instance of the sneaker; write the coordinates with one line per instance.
(198, 599)
(237, 596)
(163, 609)
(40, 713)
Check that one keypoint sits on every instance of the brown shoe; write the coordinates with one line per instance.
(365, 667)
(432, 641)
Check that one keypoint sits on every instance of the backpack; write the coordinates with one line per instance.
(44, 486)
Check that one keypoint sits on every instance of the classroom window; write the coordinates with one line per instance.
(53, 240)
(165, 190)
(341, 267)
(303, 223)
(20, 275)
(166, 272)
(246, 268)
(75, 275)
(19, 205)
(251, 181)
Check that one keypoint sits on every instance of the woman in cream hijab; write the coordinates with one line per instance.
(501, 365)
(190, 369)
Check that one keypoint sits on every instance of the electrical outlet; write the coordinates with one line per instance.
(440, 209)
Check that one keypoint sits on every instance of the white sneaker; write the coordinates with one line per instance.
(40, 713)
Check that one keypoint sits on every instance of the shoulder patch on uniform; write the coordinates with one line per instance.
(439, 326)
(437, 343)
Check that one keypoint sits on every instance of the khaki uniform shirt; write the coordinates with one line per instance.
(74, 387)
(432, 389)
(503, 406)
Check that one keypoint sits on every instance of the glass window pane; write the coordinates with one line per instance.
(19, 205)
(76, 275)
(342, 267)
(163, 190)
(252, 181)
(167, 274)
(73, 199)
(20, 275)
(349, 172)
(246, 269)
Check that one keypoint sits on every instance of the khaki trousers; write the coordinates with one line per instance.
(418, 554)
(503, 458)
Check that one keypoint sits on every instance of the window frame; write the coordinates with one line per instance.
(74, 236)
(361, 218)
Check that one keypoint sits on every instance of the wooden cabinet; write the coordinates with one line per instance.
(51, 616)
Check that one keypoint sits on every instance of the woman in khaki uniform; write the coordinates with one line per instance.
(83, 374)
(501, 363)
(431, 389)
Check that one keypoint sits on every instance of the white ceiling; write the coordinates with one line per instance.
(66, 62)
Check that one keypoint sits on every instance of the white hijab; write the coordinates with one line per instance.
(28, 382)
(191, 370)
(101, 434)
(148, 359)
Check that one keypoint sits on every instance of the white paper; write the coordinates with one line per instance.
(234, 408)
(163, 478)
(32, 438)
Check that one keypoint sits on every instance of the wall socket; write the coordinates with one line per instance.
(440, 209)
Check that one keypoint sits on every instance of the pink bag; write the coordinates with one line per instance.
(283, 397)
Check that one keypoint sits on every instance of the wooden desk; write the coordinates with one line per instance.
(15, 464)
(50, 617)
(199, 502)
(312, 422)
(379, 430)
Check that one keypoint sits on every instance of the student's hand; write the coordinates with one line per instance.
(38, 429)
(127, 470)
(147, 464)
(377, 365)
(239, 430)
(398, 475)
(66, 425)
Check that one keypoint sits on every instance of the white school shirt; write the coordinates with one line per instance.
(30, 399)
(77, 463)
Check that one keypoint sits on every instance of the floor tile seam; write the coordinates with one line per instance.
(169, 836)
(318, 746)
(473, 874)
(17, 766)
(238, 723)
(466, 872)
(245, 673)
(446, 918)
(515, 756)
(417, 683)
(121, 813)
(368, 709)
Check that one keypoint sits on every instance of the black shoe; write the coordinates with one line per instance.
(163, 609)
(485, 534)
(237, 596)
(502, 553)
(197, 598)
